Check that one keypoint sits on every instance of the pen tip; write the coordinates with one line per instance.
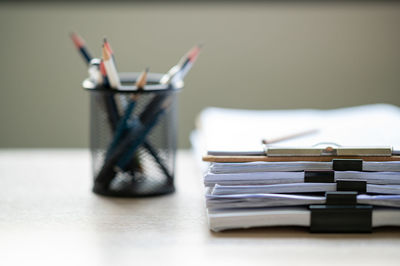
(147, 69)
(105, 39)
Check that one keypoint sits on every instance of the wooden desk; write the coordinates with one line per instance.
(50, 217)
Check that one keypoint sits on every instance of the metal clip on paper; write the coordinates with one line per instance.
(325, 154)
(341, 214)
(328, 151)
(328, 176)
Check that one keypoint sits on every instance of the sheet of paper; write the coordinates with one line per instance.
(292, 216)
(251, 167)
(242, 130)
(215, 202)
(270, 178)
(238, 195)
(297, 188)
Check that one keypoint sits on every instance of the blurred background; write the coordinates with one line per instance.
(258, 55)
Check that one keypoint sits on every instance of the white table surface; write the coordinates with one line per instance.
(49, 216)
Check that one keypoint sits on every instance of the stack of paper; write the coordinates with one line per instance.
(259, 192)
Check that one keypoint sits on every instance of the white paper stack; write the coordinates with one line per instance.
(257, 194)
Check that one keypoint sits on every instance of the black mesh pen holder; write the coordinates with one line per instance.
(133, 137)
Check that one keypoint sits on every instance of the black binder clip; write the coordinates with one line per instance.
(341, 214)
(347, 164)
(328, 176)
(319, 176)
(359, 186)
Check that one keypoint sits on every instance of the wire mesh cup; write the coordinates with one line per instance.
(133, 138)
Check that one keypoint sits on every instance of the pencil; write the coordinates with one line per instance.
(191, 57)
(290, 136)
(81, 46)
(108, 47)
(122, 124)
(138, 137)
(111, 105)
(183, 66)
(176, 73)
(111, 70)
(125, 150)
(142, 79)
(140, 83)
(103, 72)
